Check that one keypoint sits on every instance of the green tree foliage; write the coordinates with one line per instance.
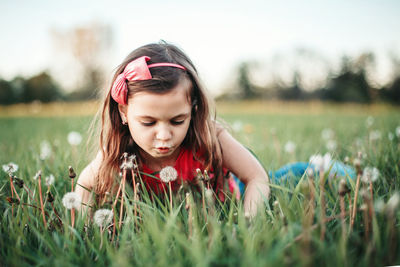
(40, 87)
(351, 84)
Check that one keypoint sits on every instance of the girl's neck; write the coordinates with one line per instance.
(156, 164)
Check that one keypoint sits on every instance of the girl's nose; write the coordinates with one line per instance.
(163, 133)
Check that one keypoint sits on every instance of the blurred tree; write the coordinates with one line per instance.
(293, 92)
(40, 87)
(247, 90)
(87, 44)
(351, 83)
(7, 94)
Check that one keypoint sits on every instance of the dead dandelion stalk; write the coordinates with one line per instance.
(41, 199)
(357, 164)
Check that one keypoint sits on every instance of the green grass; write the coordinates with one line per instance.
(280, 235)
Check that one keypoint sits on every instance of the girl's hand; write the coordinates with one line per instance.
(257, 191)
(246, 167)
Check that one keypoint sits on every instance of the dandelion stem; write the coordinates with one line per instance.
(122, 199)
(322, 203)
(30, 194)
(72, 210)
(354, 209)
(170, 196)
(113, 208)
(12, 193)
(41, 199)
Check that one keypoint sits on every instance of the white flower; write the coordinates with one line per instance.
(237, 126)
(45, 150)
(398, 131)
(370, 175)
(327, 134)
(50, 180)
(168, 174)
(375, 135)
(74, 138)
(10, 167)
(369, 121)
(39, 173)
(128, 165)
(103, 217)
(393, 202)
(322, 163)
(390, 136)
(331, 145)
(290, 147)
(72, 200)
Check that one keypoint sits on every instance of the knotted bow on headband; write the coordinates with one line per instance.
(137, 70)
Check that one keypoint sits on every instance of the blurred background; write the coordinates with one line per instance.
(341, 51)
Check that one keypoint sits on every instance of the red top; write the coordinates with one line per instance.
(186, 166)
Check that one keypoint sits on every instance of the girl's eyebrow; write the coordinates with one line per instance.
(182, 115)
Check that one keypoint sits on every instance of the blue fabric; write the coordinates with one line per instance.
(294, 172)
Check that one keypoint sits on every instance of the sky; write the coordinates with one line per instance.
(217, 35)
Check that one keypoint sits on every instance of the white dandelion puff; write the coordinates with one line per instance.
(37, 174)
(168, 174)
(322, 163)
(393, 202)
(331, 145)
(103, 217)
(375, 135)
(128, 165)
(237, 126)
(10, 167)
(370, 174)
(72, 200)
(327, 134)
(397, 131)
(74, 138)
(369, 121)
(45, 150)
(49, 180)
(290, 147)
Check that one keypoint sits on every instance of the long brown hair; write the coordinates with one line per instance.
(115, 138)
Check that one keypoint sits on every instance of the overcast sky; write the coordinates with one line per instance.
(215, 34)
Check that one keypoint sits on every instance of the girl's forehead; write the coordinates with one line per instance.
(173, 102)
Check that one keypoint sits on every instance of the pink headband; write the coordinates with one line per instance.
(136, 70)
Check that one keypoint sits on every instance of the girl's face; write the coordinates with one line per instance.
(158, 123)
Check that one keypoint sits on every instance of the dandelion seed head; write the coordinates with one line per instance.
(393, 202)
(237, 126)
(10, 167)
(49, 180)
(322, 163)
(397, 131)
(168, 174)
(72, 200)
(375, 135)
(290, 147)
(331, 145)
(370, 174)
(327, 134)
(103, 217)
(379, 205)
(369, 121)
(74, 138)
(38, 173)
(45, 150)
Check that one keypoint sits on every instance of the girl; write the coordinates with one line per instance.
(157, 109)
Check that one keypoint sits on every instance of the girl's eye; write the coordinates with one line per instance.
(148, 123)
(177, 122)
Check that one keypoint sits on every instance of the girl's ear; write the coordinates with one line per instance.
(123, 112)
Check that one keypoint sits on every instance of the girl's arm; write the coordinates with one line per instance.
(86, 180)
(243, 164)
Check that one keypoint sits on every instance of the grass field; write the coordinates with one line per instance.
(286, 232)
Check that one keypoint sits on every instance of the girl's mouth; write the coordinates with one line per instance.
(163, 150)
